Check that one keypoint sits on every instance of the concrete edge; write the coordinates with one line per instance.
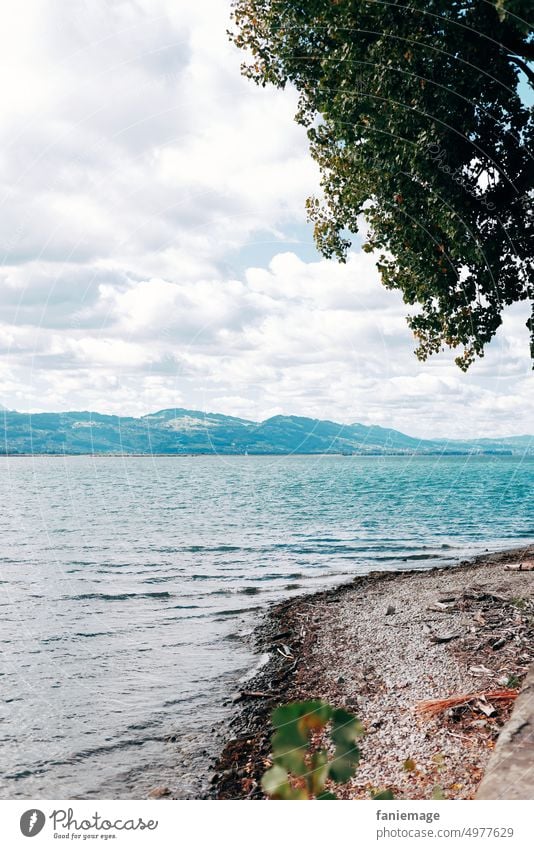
(510, 771)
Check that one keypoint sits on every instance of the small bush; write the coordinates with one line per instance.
(300, 770)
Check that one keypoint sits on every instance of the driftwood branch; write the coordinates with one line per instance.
(433, 707)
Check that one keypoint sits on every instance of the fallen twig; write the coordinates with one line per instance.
(285, 651)
(432, 707)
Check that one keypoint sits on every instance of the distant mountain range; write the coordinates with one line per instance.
(191, 432)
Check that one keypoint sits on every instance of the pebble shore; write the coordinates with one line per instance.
(378, 646)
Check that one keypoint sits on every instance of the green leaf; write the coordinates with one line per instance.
(344, 764)
(274, 781)
(294, 724)
(318, 771)
(291, 760)
(345, 727)
(286, 715)
(314, 715)
(296, 794)
(383, 796)
(313, 712)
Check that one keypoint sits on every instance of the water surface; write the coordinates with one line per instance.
(127, 586)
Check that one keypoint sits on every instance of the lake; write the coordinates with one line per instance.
(128, 587)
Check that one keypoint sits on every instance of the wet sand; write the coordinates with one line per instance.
(379, 645)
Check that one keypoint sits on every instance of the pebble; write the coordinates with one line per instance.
(160, 793)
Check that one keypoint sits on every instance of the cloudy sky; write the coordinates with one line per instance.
(155, 251)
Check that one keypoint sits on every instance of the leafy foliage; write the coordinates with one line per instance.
(414, 117)
(299, 771)
(385, 795)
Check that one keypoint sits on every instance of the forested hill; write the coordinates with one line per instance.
(182, 431)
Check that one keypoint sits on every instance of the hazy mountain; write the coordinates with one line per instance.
(182, 431)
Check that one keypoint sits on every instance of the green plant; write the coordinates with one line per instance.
(419, 125)
(301, 770)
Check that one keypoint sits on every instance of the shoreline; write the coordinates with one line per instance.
(148, 454)
(348, 646)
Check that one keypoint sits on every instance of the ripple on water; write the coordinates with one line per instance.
(115, 684)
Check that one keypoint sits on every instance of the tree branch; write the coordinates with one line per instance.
(522, 48)
(527, 70)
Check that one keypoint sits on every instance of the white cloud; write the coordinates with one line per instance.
(149, 198)
(144, 142)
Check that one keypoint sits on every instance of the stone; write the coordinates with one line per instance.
(510, 771)
(160, 793)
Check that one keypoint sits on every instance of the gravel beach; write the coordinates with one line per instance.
(380, 645)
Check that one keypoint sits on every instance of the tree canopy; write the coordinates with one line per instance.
(414, 114)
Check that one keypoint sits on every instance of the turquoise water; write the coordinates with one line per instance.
(127, 587)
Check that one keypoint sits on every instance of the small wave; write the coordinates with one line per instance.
(116, 596)
(207, 578)
(84, 754)
(277, 576)
(95, 634)
(159, 580)
(173, 702)
(237, 611)
(429, 555)
(24, 773)
(213, 549)
(84, 634)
